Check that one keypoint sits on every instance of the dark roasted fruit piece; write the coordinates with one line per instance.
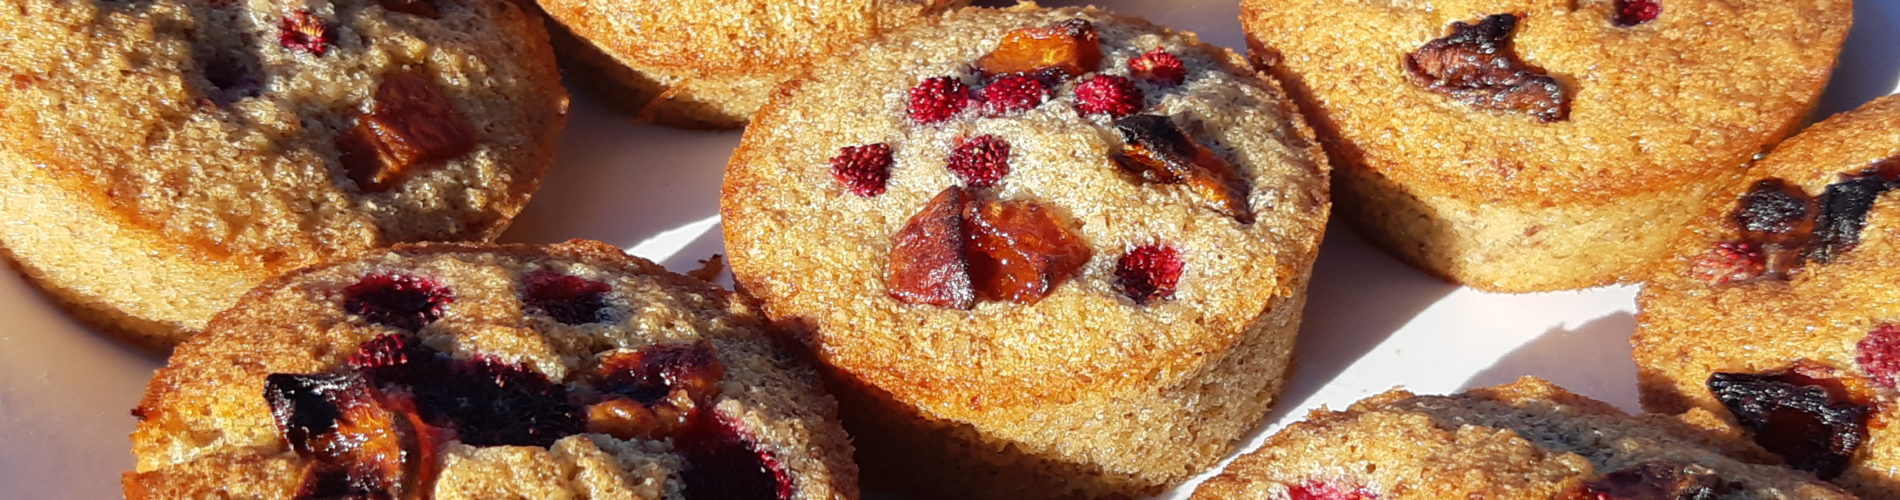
(1159, 151)
(1159, 67)
(1844, 210)
(1634, 12)
(365, 444)
(1063, 50)
(1020, 250)
(937, 99)
(1655, 480)
(488, 402)
(979, 161)
(567, 298)
(398, 300)
(410, 125)
(1149, 273)
(722, 463)
(1775, 212)
(1729, 262)
(1803, 415)
(1477, 66)
(302, 30)
(654, 392)
(929, 264)
(1880, 355)
(863, 170)
(1321, 490)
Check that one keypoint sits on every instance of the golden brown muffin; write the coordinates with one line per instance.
(1532, 145)
(1043, 253)
(160, 157)
(712, 63)
(1528, 440)
(1780, 309)
(465, 371)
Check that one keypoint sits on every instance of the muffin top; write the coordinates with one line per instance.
(486, 371)
(1009, 205)
(1788, 281)
(278, 133)
(1524, 440)
(1566, 101)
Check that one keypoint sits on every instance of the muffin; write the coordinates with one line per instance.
(712, 63)
(1780, 309)
(467, 371)
(1040, 253)
(1524, 145)
(160, 157)
(1524, 440)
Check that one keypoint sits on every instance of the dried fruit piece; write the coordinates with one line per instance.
(1844, 208)
(489, 402)
(567, 298)
(1802, 415)
(1014, 93)
(1476, 66)
(1634, 12)
(302, 30)
(1063, 50)
(1159, 151)
(1729, 262)
(937, 99)
(1109, 95)
(722, 463)
(411, 124)
(397, 300)
(655, 392)
(1321, 490)
(1880, 355)
(980, 161)
(1159, 67)
(1019, 250)
(863, 170)
(341, 421)
(929, 264)
(1775, 212)
(1655, 480)
(1149, 273)
(424, 8)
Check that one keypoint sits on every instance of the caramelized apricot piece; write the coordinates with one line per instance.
(1066, 49)
(363, 444)
(1806, 415)
(1476, 65)
(929, 265)
(411, 124)
(655, 392)
(1019, 250)
(1158, 151)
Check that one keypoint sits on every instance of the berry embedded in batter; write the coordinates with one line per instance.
(1804, 415)
(1159, 67)
(937, 99)
(1014, 93)
(568, 299)
(1730, 262)
(1476, 65)
(864, 170)
(1109, 95)
(302, 30)
(1322, 490)
(1657, 479)
(1635, 12)
(1880, 354)
(980, 161)
(722, 463)
(1149, 273)
(397, 300)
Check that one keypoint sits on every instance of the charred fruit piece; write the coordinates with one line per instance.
(1158, 151)
(568, 299)
(1019, 250)
(1844, 208)
(398, 300)
(489, 402)
(1775, 212)
(654, 392)
(363, 444)
(929, 265)
(1476, 65)
(410, 125)
(1149, 273)
(1803, 415)
(722, 463)
(1063, 50)
(1655, 480)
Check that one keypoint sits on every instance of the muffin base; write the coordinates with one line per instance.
(692, 103)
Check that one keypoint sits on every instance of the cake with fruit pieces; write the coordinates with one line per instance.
(1534, 145)
(467, 371)
(712, 63)
(160, 157)
(1528, 440)
(1042, 253)
(1781, 306)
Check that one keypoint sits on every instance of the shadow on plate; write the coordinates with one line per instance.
(1592, 359)
(1870, 66)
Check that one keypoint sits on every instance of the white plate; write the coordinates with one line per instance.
(1371, 323)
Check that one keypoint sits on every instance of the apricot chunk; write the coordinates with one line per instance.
(1020, 250)
(410, 125)
(363, 445)
(656, 392)
(1476, 65)
(1158, 151)
(929, 265)
(1064, 50)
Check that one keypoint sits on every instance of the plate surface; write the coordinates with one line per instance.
(1371, 323)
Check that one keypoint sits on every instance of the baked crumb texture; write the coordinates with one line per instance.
(1492, 190)
(1156, 331)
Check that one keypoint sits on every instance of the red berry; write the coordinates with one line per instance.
(1110, 95)
(568, 299)
(937, 99)
(1880, 354)
(1149, 273)
(1015, 93)
(1159, 67)
(305, 31)
(1728, 262)
(398, 300)
(863, 169)
(386, 351)
(980, 161)
(1321, 490)
(1634, 12)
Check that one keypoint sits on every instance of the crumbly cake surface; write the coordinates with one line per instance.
(1524, 440)
(1085, 391)
(206, 424)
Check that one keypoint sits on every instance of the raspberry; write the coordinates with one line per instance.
(1320, 490)
(397, 300)
(1654, 479)
(568, 299)
(1634, 12)
(938, 99)
(863, 169)
(1110, 95)
(1880, 354)
(1014, 93)
(1729, 262)
(305, 31)
(980, 161)
(722, 463)
(1159, 67)
(1149, 273)
(390, 352)
(489, 402)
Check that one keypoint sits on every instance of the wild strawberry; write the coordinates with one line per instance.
(863, 169)
(1159, 67)
(980, 161)
(1108, 95)
(304, 31)
(1011, 94)
(1149, 273)
(1634, 12)
(568, 299)
(1880, 354)
(1321, 490)
(398, 300)
(1729, 262)
(937, 99)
